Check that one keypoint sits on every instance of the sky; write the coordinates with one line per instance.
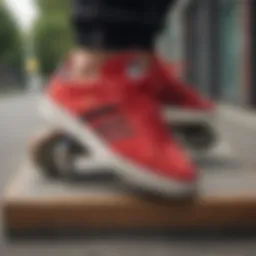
(24, 11)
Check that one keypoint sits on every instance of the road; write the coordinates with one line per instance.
(19, 119)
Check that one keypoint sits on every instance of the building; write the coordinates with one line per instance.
(215, 42)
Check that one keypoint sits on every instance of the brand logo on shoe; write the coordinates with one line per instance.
(136, 69)
(108, 122)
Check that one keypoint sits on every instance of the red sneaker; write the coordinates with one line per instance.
(121, 125)
(173, 91)
(169, 90)
(190, 114)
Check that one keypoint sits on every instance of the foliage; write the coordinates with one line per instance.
(53, 6)
(11, 43)
(52, 34)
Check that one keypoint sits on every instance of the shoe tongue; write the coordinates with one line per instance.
(128, 64)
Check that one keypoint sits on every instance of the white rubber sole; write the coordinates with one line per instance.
(187, 116)
(128, 171)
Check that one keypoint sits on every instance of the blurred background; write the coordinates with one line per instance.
(35, 35)
(213, 41)
(210, 42)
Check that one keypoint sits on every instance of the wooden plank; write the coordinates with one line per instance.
(226, 198)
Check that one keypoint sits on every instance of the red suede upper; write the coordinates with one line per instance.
(137, 101)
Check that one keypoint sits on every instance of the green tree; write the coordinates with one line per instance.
(52, 34)
(53, 6)
(11, 43)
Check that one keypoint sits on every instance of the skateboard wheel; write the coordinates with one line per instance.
(55, 152)
(200, 136)
(196, 136)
